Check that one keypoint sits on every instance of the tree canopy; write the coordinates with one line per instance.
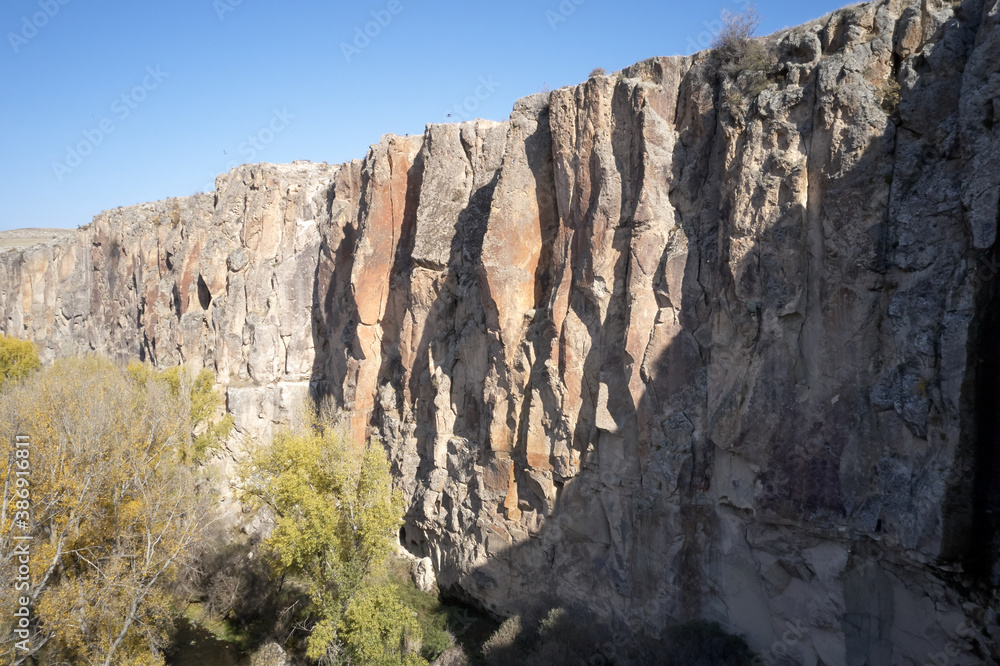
(114, 511)
(336, 515)
(18, 358)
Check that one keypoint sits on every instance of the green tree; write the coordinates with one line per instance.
(18, 359)
(380, 630)
(113, 511)
(336, 515)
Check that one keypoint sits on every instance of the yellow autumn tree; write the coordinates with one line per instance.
(336, 515)
(113, 511)
(18, 358)
(199, 401)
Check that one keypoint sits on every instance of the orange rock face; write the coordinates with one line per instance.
(655, 346)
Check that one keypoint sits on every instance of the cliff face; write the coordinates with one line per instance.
(658, 346)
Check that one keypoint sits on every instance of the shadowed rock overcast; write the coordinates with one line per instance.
(669, 344)
(223, 68)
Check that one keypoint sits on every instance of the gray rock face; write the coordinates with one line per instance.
(657, 345)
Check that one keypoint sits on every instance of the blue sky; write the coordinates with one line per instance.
(116, 103)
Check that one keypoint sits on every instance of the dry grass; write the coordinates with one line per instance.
(21, 238)
(887, 89)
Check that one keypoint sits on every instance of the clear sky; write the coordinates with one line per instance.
(113, 103)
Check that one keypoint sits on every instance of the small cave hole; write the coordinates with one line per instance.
(176, 294)
(204, 295)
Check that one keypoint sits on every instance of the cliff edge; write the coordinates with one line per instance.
(685, 341)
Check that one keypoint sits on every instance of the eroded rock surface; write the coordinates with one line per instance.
(658, 346)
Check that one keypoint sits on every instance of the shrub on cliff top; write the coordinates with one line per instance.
(743, 60)
(737, 32)
(737, 47)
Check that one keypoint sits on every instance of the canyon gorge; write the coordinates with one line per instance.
(664, 345)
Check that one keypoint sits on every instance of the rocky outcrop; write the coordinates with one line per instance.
(665, 345)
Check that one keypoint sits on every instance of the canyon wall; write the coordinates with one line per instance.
(665, 345)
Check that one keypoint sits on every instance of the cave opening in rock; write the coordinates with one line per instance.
(204, 295)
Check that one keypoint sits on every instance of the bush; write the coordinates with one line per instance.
(270, 654)
(504, 646)
(742, 57)
(566, 638)
(737, 33)
(431, 615)
(888, 95)
(380, 630)
(597, 71)
(114, 511)
(18, 359)
(561, 637)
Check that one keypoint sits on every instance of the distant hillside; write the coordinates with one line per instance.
(19, 238)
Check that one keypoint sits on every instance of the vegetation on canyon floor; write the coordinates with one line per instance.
(18, 359)
(336, 514)
(110, 504)
(126, 541)
(563, 636)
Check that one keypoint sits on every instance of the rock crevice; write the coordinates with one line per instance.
(664, 345)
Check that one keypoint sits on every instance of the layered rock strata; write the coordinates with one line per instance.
(668, 344)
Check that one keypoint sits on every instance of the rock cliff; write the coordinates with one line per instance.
(667, 344)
